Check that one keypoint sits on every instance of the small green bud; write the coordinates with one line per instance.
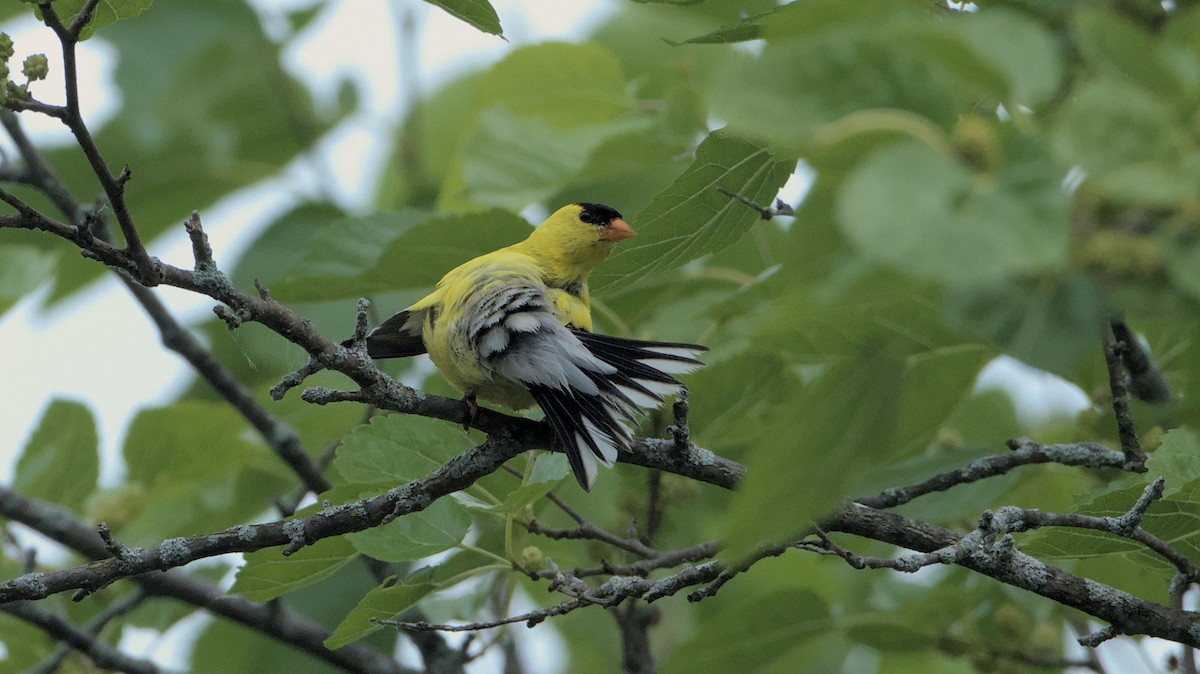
(6, 47)
(35, 67)
(532, 558)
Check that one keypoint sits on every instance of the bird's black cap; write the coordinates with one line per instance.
(597, 214)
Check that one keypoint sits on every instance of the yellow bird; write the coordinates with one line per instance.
(514, 327)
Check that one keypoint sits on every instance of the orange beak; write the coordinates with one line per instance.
(616, 230)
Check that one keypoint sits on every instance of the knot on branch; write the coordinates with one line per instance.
(1127, 524)
(297, 537)
(233, 319)
(1098, 637)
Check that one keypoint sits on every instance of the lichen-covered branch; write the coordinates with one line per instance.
(273, 621)
(990, 550)
(1025, 452)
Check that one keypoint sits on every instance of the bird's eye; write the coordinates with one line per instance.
(588, 217)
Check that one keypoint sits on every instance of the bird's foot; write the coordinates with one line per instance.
(468, 399)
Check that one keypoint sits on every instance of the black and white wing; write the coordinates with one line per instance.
(587, 385)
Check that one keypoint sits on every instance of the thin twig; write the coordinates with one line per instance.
(765, 213)
(1024, 452)
(149, 274)
(726, 575)
(644, 567)
(1135, 458)
(610, 594)
(589, 531)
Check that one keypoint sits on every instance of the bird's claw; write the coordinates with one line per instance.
(472, 410)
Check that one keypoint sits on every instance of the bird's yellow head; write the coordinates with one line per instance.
(577, 237)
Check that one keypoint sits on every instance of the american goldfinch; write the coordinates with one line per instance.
(513, 327)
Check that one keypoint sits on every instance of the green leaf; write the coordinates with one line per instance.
(60, 462)
(268, 574)
(397, 448)
(745, 29)
(564, 85)
(1021, 48)
(478, 13)
(917, 210)
(758, 629)
(1183, 263)
(106, 12)
(202, 469)
(536, 91)
(1172, 519)
(797, 86)
(383, 603)
(1048, 323)
(25, 645)
(1177, 460)
(512, 162)
(391, 599)
(891, 632)
(435, 529)
(692, 218)
(815, 18)
(1113, 501)
(548, 472)
(732, 399)
(226, 647)
(22, 269)
(833, 429)
(1116, 45)
(393, 251)
(927, 662)
(185, 440)
(282, 246)
(1129, 142)
(934, 383)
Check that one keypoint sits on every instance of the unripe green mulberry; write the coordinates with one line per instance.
(6, 47)
(532, 558)
(36, 67)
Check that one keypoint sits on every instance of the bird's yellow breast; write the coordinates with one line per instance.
(572, 310)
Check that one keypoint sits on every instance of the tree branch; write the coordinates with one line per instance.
(1025, 452)
(611, 593)
(114, 190)
(458, 473)
(989, 551)
(272, 621)
(105, 656)
(116, 609)
(589, 531)
(635, 622)
(1114, 353)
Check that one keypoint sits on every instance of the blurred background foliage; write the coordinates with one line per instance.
(995, 180)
